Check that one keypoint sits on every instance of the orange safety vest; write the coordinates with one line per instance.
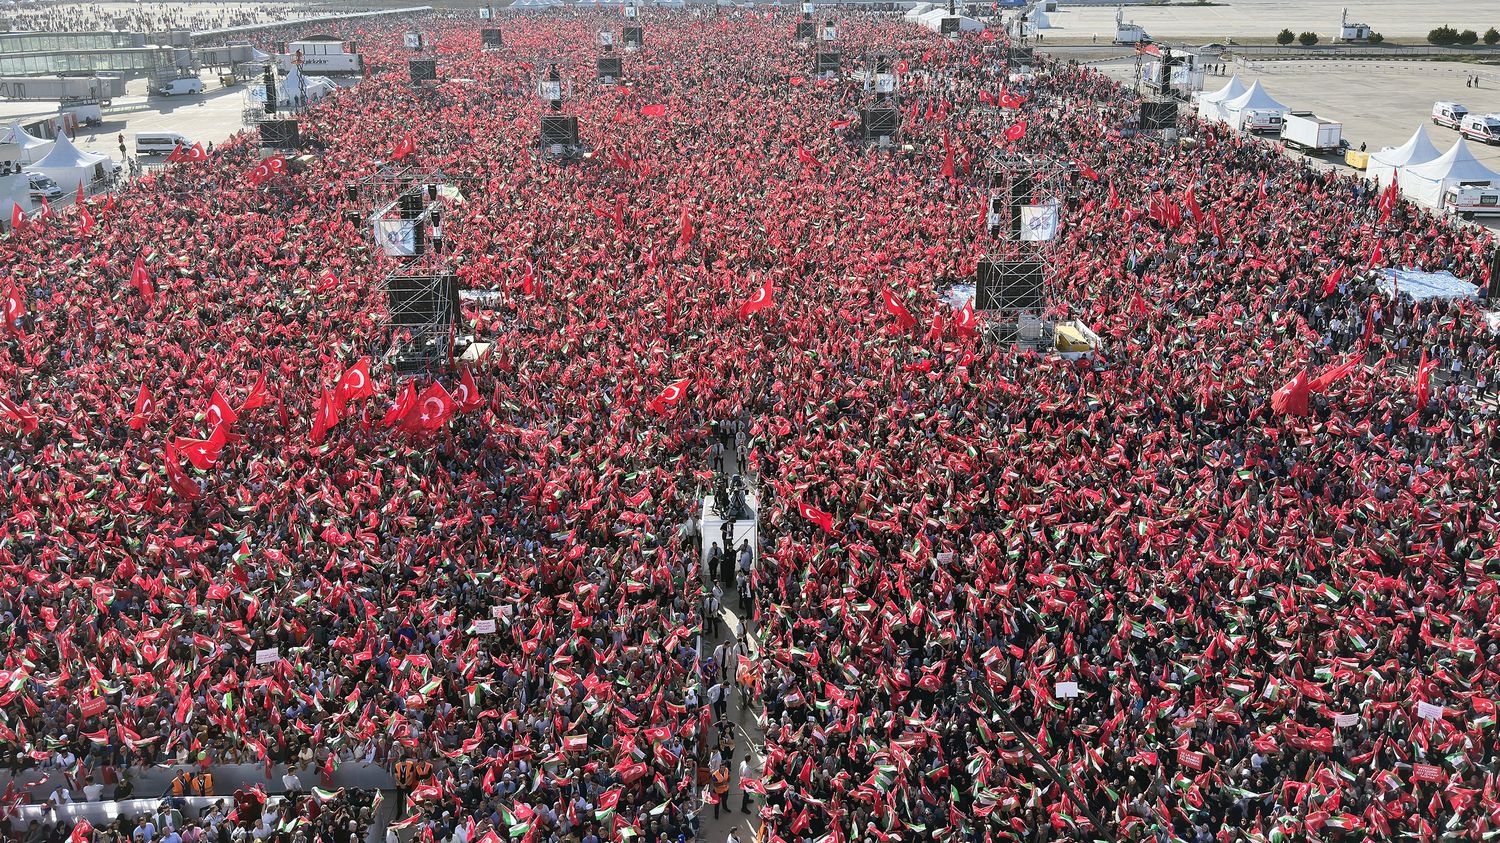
(205, 784)
(183, 784)
(721, 780)
(406, 773)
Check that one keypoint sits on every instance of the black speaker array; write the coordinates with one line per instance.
(280, 134)
(1492, 292)
(268, 77)
(1157, 115)
(829, 62)
(948, 26)
(414, 301)
(490, 38)
(1007, 285)
(610, 68)
(633, 35)
(804, 30)
(422, 70)
(876, 123)
(559, 129)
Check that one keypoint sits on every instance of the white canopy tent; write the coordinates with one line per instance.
(1253, 99)
(1210, 104)
(933, 20)
(32, 147)
(294, 87)
(1388, 163)
(538, 5)
(1039, 20)
(1426, 183)
(916, 12)
(70, 166)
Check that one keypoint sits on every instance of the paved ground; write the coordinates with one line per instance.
(1403, 19)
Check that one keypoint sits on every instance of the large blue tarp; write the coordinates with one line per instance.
(1421, 285)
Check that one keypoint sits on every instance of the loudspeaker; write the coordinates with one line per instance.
(610, 69)
(280, 134)
(633, 36)
(876, 123)
(829, 63)
(559, 129)
(422, 70)
(490, 39)
(1008, 285)
(805, 30)
(268, 77)
(415, 301)
(1157, 115)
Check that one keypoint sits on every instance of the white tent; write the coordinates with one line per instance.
(1390, 161)
(1426, 183)
(14, 191)
(70, 166)
(916, 12)
(294, 87)
(32, 147)
(1254, 99)
(538, 5)
(1039, 20)
(1210, 104)
(933, 20)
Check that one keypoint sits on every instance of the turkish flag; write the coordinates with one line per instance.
(433, 407)
(143, 407)
(402, 407)
(528, 281)
(817, 516)
(669, 397)
(403, 149)
(1377, 255)
(202, 453)
(219, 411)
(1192, 203)
(685, 229)
(180, 482)
(1424, 376)
(327, 417)
(276, 163)
(259, 174)
(85, 220)
(356, 382)
(258, 395)
(1331, 283)
(1016, 131)
(947, 157)
(894, 307)
(141, 281)
(806, 157)
(27, 420)
(78, 200)
(654, 110)
(45, 213)
(1323, 381)
(177, 154)
(1009, 100)
(466, 396)
(967, 324)
(760, 301)
(17, 217)
(1291, 399)
(197, 153)
(1086, 171)
(15, 307)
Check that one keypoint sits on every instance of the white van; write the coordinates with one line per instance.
(190, 85)
(1449, 114)
(1469, 201)
(159, 143)
(1481, 127)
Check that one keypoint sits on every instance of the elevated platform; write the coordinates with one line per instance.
(711, 526)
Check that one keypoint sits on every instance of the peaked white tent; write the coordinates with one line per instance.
(1210, 104)
(1039, 20)
(1390, 161)
(916, 12)
(1426, 183)
(1253, 99)
(32, 147)
(70, 166)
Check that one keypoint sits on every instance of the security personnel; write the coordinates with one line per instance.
(424, 771)
(720, 777)
(204, 786)
(182, 784)
(406, 778)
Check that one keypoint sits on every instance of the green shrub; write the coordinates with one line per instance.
(1307, 39)
(1492, 36)
(1285, 37)
(1468, 38)
(1443, 36)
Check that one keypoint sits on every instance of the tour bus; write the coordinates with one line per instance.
(159, 143)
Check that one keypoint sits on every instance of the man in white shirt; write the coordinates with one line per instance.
(747, 774)
(61, 795)
(92, 790)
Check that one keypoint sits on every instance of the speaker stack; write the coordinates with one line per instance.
(422, 70)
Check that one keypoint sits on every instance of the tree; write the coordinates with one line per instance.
(1307, 39)
(1285, 37)
(1492, 36)
(1468, 38)
(1443, 36)
(1375, 38)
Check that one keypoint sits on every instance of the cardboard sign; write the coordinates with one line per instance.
(1426, 773)
(1065, 690)
(945, 557)
(267, 656)
(91, 708)
(497, 611)
(1428, 711)
(485, 627)
(1344, 721)
(1190, 759)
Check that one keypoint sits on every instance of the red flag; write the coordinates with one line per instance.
(685, 229)
(1291, 399)
(258, 396)
(202, 453)
(947, 157)
(967, 324)
(356, 382)
(15, 307)
(78, 200)
(1192, 203)
(197, 153)
(1261, 190)
(1424, 376)
(141, 281)
(806, 157)
(259, 174)
(1016, 131)
(1388, 198)
(17, 217)
(622, 161)
(1323, 381)
(654, 110)
(1377, 255)
(1086, 171)
(817, 516)
(180, 482)
(85, 220)
(177, 154)
(219, 411)
(81, 832)
(466, 395)
(1009, 100)
(760, 301)
(894, 307)
(326, 419)
(143, 407)
(1331, 283)
(1114, 198)
(27, 420)
(403, 406)
(403, 149)
(528, 281)
(432, 409)
(670, 397)
(44, 214)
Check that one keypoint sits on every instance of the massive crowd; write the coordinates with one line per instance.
(1280, 624)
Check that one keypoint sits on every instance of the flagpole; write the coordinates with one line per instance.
(1040, 759)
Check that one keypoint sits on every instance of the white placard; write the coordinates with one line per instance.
(1344, 721)
(268, 656)
(413, 40)
(396, 237)
(1038, 222)
(485, 627)
(1428, 711)
(497, 611)
(945, 557)
(1065, 690)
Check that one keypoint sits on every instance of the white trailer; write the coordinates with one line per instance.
(1128, 33)
(1307, 131)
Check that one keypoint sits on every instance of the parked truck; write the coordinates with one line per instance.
(1311, 133)
(1470, 201)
